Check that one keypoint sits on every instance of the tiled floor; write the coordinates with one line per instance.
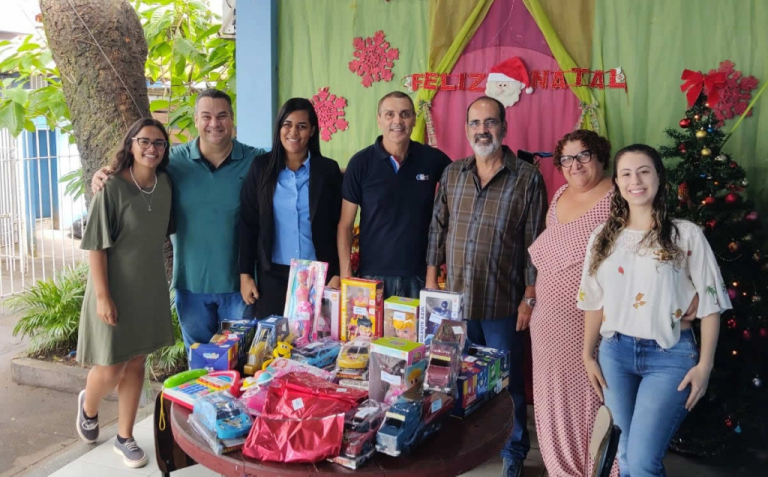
(102, 461)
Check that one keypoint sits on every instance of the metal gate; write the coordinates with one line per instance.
(39, 224)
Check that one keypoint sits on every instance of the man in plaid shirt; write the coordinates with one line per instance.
(489, 209)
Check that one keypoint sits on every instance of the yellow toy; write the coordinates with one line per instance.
(282, 350)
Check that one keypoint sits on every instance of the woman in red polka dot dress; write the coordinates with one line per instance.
(565, 404)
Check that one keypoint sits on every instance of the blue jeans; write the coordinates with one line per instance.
(501, 334)
(201, 313)
(642, 395)
(406, 287)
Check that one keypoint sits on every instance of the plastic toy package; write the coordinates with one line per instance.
(360, 427)
(362, 309)
(401, 316)
(320, 354)
(436, 306)
(352, 362)
(452, 331)
(409, 422)
(395, 366)
(184, 388)
(218, 446)
(327, 323)
(223, 414)
(268, 332)
(303, 298)
(443, 368)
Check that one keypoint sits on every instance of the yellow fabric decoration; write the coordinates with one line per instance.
(444, 20)
(590, 115)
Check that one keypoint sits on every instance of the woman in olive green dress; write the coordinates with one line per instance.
(126, 309)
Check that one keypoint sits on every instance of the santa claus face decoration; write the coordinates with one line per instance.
(507, 80)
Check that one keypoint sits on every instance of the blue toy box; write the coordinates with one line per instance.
(214, 356)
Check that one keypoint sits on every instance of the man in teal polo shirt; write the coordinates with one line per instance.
(207, 175)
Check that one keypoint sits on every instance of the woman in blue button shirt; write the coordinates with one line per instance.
(289, 208)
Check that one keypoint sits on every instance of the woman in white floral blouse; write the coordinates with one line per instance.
(641, 271)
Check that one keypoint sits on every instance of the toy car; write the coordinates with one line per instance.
(354, 355)
(404, 426)
(319, 354)
(399, 428)
(360, 427)
(443, 368)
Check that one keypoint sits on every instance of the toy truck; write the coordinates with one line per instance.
(409, 422)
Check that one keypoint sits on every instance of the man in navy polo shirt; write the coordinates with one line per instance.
(393, 182)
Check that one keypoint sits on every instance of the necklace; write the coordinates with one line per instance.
(143, 192)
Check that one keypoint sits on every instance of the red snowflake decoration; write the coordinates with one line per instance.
(330, 113)
(736, 94)
(375, 58)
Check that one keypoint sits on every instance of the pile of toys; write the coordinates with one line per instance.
(343, 375)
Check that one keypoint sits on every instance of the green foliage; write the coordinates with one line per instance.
(51, 311)
(51, 315)
(184, 55)
(75, 186)
(171, 359)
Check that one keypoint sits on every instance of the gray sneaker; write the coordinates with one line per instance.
(87, 429)
(132, 454)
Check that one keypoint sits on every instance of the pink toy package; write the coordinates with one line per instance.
(306, 282)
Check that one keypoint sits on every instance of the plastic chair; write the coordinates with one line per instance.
(604, 443)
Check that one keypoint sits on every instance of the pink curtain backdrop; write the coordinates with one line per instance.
(538, 120)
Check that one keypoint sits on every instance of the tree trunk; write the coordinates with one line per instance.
(100, 50)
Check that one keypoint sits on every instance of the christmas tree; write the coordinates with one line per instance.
(710, 189)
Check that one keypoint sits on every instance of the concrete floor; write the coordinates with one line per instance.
(35, 423)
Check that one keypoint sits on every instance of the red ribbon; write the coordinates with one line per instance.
(695, 82)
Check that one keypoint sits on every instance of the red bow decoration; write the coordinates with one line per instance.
(695, 82)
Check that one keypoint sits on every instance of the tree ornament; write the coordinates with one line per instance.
(731, 198)
(685, 123)
(682, 193)
(757, 256)
(747, 238)
(734, 247)
(732, 294)
(733, 165)
(757, 382)
(757, 298)
(764, 332)
(752, 216)
(682, 149)
(711, 223)
(722, 158)
(709, 200)
(744, 183)
(728, 422)
(701, 134)
(731, 323)
(746, 334)
(706, 152)
(697, 117)
(710, 129)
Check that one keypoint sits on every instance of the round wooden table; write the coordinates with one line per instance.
(461, 445)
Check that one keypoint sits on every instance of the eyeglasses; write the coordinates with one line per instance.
(583, 157)
(489, 123)
(145, 142)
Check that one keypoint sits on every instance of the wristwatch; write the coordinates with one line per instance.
(530, 301)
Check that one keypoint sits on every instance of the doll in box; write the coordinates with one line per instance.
(305, 282)
(364, 328)
(405, 328)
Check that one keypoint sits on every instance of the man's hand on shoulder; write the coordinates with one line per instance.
(100, 178)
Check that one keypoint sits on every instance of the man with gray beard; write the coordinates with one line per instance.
(489, 209)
